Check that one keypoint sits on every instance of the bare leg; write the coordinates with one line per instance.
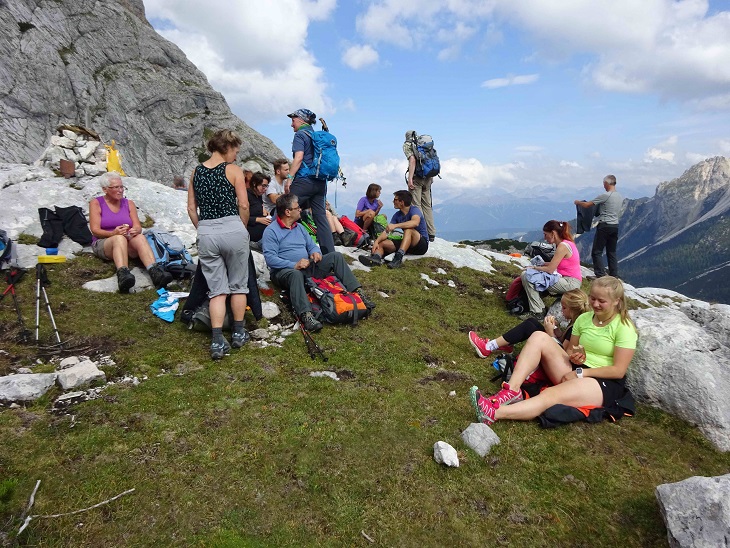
(384, 248)
(540, 349)
(575, 393)
(367, 219)
(116, 249)
(139, 247)
(238, 306)
(217, 309)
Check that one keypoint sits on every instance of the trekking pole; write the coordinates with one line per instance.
(312, 347)
(41, 282)
(13, 276)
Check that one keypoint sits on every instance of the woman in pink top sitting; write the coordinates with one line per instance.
(117, 234)
(565, 262)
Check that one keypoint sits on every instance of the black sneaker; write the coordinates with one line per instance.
(239, 338)
(160, 277)
(310, 323)
(370, 260)
(397, 261)
(337, 239)
(367, 302)
(125, 279)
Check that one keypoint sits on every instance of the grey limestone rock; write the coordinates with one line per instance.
(25, 387)
(696, 511)
(79, 374)
(102, 66)
(480, 438)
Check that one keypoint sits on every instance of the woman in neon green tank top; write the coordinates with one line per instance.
(589, 372)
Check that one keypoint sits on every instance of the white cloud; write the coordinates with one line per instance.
(260, 71)
(669, 141)
(566, 163)
(657, 154)
(357, 57)
(510, 80)
(695, 157)
(724, 146)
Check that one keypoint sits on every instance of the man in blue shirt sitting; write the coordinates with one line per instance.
(415, 234)
(289, 251)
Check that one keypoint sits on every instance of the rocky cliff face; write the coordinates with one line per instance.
(101, 65)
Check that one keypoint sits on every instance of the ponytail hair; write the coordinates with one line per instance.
(615, 288)
(561, 227)
(576, 301)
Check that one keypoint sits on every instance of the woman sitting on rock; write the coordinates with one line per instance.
(117, 234)
(589, 372)
(368, 206)
(565, 264)
(573, 304)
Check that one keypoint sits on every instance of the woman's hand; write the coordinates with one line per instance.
(263, 220)
(549, 324)
(569, 376)
(578, 355)
(121, 230)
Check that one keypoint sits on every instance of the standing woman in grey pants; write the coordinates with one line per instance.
(218, 207)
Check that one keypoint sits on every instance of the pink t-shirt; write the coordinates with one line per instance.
(110, 220)
(570, 266)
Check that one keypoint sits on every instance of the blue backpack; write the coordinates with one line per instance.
(326, 163)
(427, 161)
(170, 253)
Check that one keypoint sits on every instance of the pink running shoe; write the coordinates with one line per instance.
(480, 345)
(506, 396)
(483, 407)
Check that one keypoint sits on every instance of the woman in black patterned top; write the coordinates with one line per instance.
(218, 207)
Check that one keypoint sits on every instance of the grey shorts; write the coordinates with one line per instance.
(98, 248)
(223, 255)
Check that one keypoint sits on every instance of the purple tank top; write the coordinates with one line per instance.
(111, 220)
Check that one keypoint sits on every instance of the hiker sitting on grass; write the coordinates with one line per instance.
(368, 207)
(117, 234)
(563, 270)
(589, 372)
(289, 251)
(574, 303)
(415, 235)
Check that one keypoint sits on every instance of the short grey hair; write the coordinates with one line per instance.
(610, 179)
(108, 177)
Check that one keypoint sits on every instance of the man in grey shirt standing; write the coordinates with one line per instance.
(606, 237)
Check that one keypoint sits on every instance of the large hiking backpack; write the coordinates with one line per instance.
(332, 303)
(170, 253)
(361, 237)
(7, 250)
(541, 249)
(427, 161)
(326, 163)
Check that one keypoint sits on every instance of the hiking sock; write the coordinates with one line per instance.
(492, 345)
(238, 326)
(217, 335)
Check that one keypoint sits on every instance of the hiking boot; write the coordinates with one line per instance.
(337, 239)
(397, 261)
(431, 237)
(371, 260)
(125, 279)
(480, 345)
(310, 323)
(348, 238)
(539, 316)
(160, 277)
(239, 338)
(219, 349)
(367, 302)
(483, 407)
(506, 396)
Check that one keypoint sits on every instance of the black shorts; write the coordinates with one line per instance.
(612, 389)
(419, 249)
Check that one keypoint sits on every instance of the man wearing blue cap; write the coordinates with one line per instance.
(311, 192)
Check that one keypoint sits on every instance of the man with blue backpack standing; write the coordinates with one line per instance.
(423, 166)
(315, 155)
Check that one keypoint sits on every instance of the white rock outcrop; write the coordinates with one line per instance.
(25, 387)
(79, 375)
(480, 438)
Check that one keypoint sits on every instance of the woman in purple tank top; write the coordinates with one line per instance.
(117, 234)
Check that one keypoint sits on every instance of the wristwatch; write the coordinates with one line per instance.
(579, 372)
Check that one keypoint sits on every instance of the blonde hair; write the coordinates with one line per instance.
(576, 301)
(615, 288)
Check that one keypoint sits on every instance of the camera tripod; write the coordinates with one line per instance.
(41, 277)
(12, 277)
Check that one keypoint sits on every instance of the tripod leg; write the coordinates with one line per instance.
(50, 313)
(37, 306)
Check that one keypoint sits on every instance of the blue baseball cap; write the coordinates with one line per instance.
(304, 114)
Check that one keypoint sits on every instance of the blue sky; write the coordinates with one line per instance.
(520, 97)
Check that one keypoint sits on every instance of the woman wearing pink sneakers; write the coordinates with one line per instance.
(573, 303)
(589, 372)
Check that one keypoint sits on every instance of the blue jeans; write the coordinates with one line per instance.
(312, 193)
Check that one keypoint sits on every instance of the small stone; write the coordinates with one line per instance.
(69, 134)
(259, 334)
(443, 453)
(480, 438)
(24, 370)
(80, 374)
(331, 374)
(68, 362)
(440, 271)
(452, 393)
(270, 310)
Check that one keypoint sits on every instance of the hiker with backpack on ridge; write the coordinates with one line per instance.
(415, 237)
(289, 251)
(308, 185)
(423, 166)
(117, 234)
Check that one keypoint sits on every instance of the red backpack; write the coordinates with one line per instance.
(332, 303)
